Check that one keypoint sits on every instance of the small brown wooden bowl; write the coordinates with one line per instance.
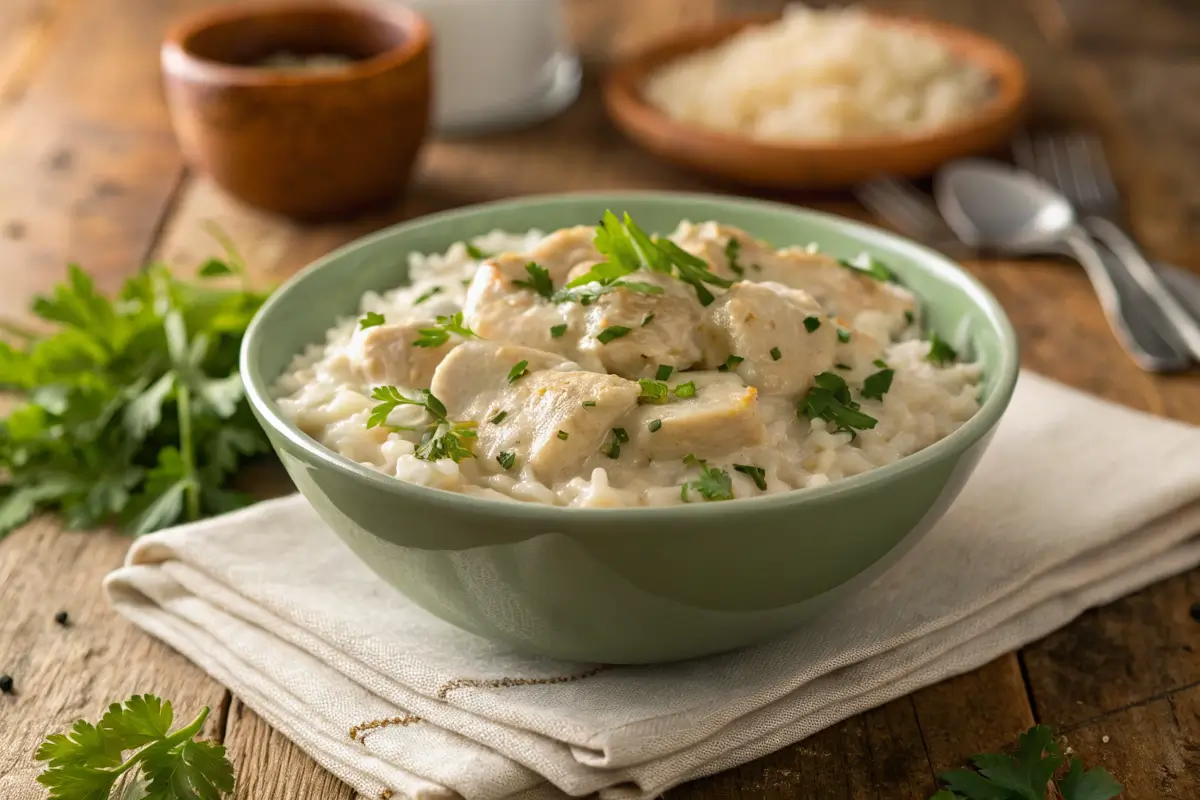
(815, 164)
(309, 144)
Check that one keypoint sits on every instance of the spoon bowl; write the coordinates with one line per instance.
(989, 205)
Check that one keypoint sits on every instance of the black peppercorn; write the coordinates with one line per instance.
(6, 684)
(61, 618)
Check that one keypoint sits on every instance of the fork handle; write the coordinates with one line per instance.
(1127, 314)
(1140, 269)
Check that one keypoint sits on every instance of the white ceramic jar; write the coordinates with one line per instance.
(498, 63)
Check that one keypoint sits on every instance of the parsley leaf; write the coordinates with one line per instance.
(685, 389)
(843, 335)
(371, 320)
(88, 762)
(868, 265)
(757, 474)
(439, 334)
(713, 484)
(428, 293)
(539, 280)
(812, 323)
(940, 352)
(563, 435)
(878, 384)
(648, 319)
(612, 332)
(652, 391)
(519, 370)
(654, 425)
(1027, 774)
(829, 399)
(776, 354)
(733, 249)
(663, 372)
(442, 438)
(731, 363)
(506, 459)
(496, 420)
(475, 253)
(556, 331)
(123, 397)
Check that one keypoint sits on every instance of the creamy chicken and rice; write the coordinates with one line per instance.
(603, 367)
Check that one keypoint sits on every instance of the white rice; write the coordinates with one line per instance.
(324, 394)
(817, 75)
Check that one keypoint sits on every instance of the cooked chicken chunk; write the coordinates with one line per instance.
(631, 333)
(496, 309)
(552, 421)
(844, 291)
(782, 336)
(385, 354)
(472, 372)
(722, 416)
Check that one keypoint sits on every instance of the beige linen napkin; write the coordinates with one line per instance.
(1077, 502)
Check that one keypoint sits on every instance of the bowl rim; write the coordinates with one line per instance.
(622, 89)
(178, 60)
(977, 427)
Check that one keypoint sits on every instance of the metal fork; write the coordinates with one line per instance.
(910, 211)
(906, 209)
(1076, 165)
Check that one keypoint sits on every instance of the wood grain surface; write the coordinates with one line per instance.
(89, 172)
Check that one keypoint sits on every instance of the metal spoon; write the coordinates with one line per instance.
(988, 204)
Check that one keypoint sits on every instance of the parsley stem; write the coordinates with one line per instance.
(178, 737)
(187, 450)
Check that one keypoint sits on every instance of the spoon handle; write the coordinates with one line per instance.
(1140, 269)
(1129, 315)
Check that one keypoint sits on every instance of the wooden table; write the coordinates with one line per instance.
(89, 172)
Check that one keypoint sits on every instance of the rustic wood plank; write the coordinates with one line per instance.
(63, 673)
(878, 754)
(1141, 646)
(1143, 26)
(26, 33)
(272, 768)
(1153, 748)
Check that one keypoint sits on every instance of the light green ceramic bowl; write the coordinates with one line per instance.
(627, 585)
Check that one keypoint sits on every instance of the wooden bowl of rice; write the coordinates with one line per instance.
(819, 98)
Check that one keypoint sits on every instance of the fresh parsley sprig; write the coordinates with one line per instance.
(89, 761)
(712, 484)
(134, 406)
(442, 438)
(940, 352)
(829, 399)
(440, 332)
(1028, 774)
(870, 266)
(539, 280)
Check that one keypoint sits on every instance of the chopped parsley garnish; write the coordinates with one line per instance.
(713, 483)
(652, 391)
(496, 420)
(621, 435)
(614, 447)
(556, 331)
(563, 435)
(877, 385)
(733, 249)
(539, 280)
(439, 334)
(475, 253)
(940, 352)
(731, 363)
(589, 403)
(370, 320)
(863, 262)
(776, 354)
(812, 323)
(843, 335)
(663, 372)
(612, 332)
(829, 399)
(879, 362)
(507, 458)
(441, 439)
(428, 293)
(840, 365)
(586, 295)
(758, 474)
(648, 318)
(685, 389)
(519, 370)
(692, 270)
(909, 317)
(654, 425)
